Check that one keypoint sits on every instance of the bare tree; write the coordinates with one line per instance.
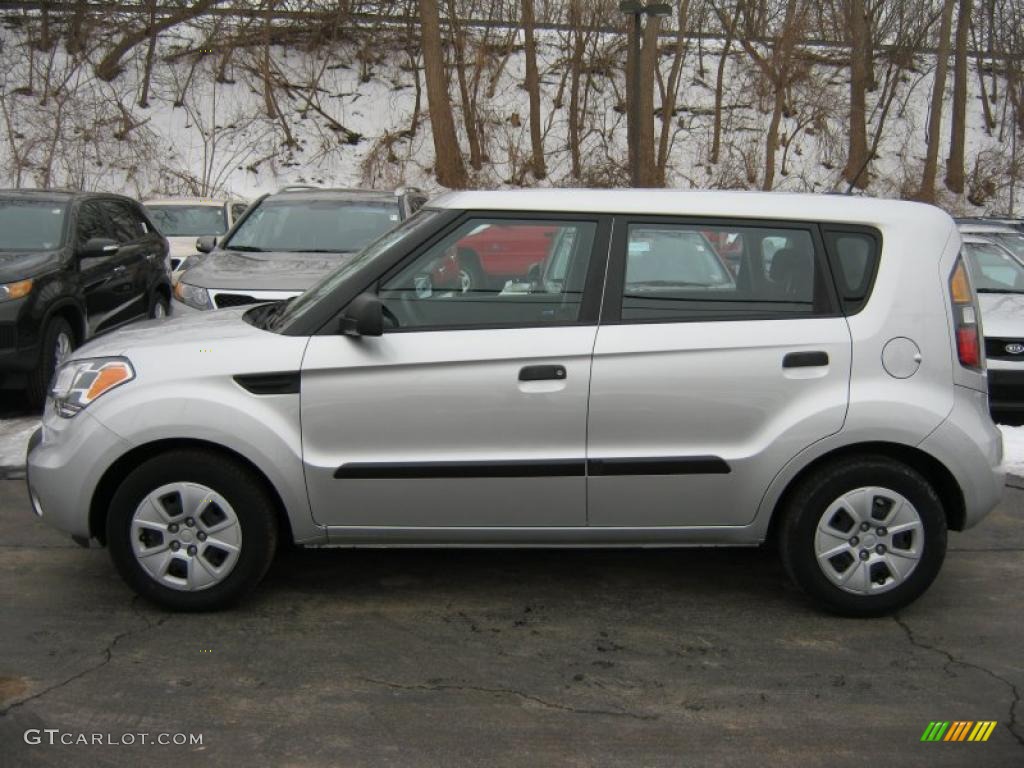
(670, 91)
(926, 192)
(958, 125)
(856, 171)
(449, 168)
(533, 89)
(780, 67)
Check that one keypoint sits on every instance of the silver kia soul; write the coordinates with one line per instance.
(632, 368)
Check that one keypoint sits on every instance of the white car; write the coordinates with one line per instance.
(1001, 234)
(999, 280)
(182, 220)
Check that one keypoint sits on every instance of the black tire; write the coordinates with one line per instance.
(40, 378)
(469, 266)
(241, 488)
(808, 502)
(158, 304)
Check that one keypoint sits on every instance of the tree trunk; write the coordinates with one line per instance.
(958, 129)
(449, 168)
(856, 171)
(575, 71)
(147, 72)
(668, 101)
(772, 139)
(723, 59)
(533, 89)
(645, 106)
(269, 104)
(469, 120)
(926, 192)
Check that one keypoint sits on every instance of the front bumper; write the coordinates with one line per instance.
(66, 459)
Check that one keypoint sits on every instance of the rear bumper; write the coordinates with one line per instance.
(970, 446)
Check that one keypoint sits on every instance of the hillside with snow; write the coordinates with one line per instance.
(346, 118)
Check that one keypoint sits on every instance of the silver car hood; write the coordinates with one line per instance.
(200, 330)
(1002, 315)
(268, 271)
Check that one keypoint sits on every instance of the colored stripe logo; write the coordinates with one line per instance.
(959, 730)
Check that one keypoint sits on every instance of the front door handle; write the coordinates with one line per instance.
(542, 373)
(805, 359)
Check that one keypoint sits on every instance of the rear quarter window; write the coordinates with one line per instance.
(854, 255)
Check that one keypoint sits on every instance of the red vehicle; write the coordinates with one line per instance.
(492, 254)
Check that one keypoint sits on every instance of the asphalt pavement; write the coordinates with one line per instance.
(517, 658)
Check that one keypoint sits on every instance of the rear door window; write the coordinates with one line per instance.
(707, 271)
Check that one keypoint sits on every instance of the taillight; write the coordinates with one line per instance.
(965, 317)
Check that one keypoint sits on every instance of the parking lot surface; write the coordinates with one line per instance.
(434, 657)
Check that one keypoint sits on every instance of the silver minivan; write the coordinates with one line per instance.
(659, 369)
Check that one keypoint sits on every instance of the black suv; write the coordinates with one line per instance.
(72, 265)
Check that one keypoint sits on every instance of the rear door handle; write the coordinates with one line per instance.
(542, 373)
(805, 359)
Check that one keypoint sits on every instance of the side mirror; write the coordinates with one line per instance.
(533, 273)
(98, 247)
(206, 243)
(364, 316)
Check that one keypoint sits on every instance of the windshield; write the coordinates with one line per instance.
(31, 225)
(314, 226)
(188, 220)
(993, 269)
(301, 304)
(1011, 241)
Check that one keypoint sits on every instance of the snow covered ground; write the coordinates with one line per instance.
(14, 435)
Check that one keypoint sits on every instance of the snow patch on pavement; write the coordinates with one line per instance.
(1013, 449)
(14, 435)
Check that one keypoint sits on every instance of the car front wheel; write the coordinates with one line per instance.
(863, 536)
(192, 530)
(58, 340)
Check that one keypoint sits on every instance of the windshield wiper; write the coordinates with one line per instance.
(998, 290)
(245, 248)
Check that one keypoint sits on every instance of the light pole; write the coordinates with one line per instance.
(637, 9)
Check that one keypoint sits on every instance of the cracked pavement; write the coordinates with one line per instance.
(433, 657)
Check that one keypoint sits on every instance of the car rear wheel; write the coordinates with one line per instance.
(864, 536)
(58, 342)
(192, 530)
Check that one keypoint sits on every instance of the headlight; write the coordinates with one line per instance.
(193, 295)
(79, 382)
(10, 291)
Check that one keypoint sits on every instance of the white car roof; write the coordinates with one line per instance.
(764, 205)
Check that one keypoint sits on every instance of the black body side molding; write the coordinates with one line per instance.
(692, 465)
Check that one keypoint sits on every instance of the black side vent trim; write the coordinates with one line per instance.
(280, 383)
